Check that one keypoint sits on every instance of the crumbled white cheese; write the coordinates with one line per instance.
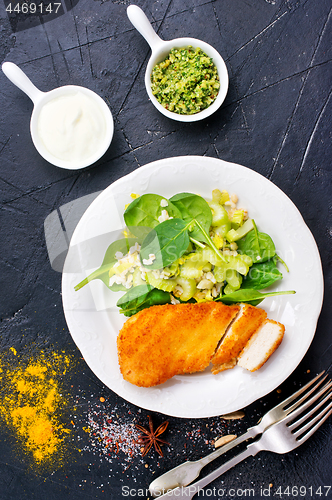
(118, 279)
(205, 284)
(210, 276)
(230, 204)
(164, 216)
(135, 248)
(227, 251)
(149, 261)
(178, 290)
(164, 203)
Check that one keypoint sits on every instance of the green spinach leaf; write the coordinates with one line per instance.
(262, 275)
(259, 246)
(167, 242)
(109, 260)
(194, 207)
(249, 295)
(141, 297)
(142, 213)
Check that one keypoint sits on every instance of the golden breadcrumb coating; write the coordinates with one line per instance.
(162, 341)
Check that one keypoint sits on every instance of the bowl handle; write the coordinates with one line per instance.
(142, 24)
(20, 79)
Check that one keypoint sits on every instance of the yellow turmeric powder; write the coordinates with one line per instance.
(32, 400)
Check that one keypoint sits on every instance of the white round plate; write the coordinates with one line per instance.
(93, 318)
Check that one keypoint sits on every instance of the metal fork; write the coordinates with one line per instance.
(281, 437)
(186, 473)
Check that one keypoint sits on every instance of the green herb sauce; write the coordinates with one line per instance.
(186, 82)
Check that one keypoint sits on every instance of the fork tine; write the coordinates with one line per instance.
(308, 402)
(308, 415)
(328, 411)
(305, 396)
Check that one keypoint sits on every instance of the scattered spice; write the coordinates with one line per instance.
(110, 438)
(150, 437)
(31, 402)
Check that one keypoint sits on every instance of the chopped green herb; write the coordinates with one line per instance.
(186, 82)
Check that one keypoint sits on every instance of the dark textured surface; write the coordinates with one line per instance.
(276, 120)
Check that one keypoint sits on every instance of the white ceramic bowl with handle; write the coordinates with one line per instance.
(160, 49)
(40, 99)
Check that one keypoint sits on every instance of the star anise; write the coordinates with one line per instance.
(150, 437)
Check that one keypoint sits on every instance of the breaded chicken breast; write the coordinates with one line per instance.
(245, 325)
(162, 341)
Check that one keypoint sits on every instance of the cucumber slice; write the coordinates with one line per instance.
(220, 273)
(190, 270)
(188, 286)
(193, 266)
(220, 196)
(167, 285)
(233, 278)
(137, 277)
(246, 259)
(219, 214)
(234, 266)
(229, 289)
(210, 255)
(236, 262)
(234, 235)
(237, 218)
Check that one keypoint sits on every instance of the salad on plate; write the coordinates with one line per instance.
(188, 249)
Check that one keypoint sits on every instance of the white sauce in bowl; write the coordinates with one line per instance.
(72, 127)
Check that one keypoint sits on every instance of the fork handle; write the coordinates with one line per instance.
(190, 491)
(187, 472)
(251, 432)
